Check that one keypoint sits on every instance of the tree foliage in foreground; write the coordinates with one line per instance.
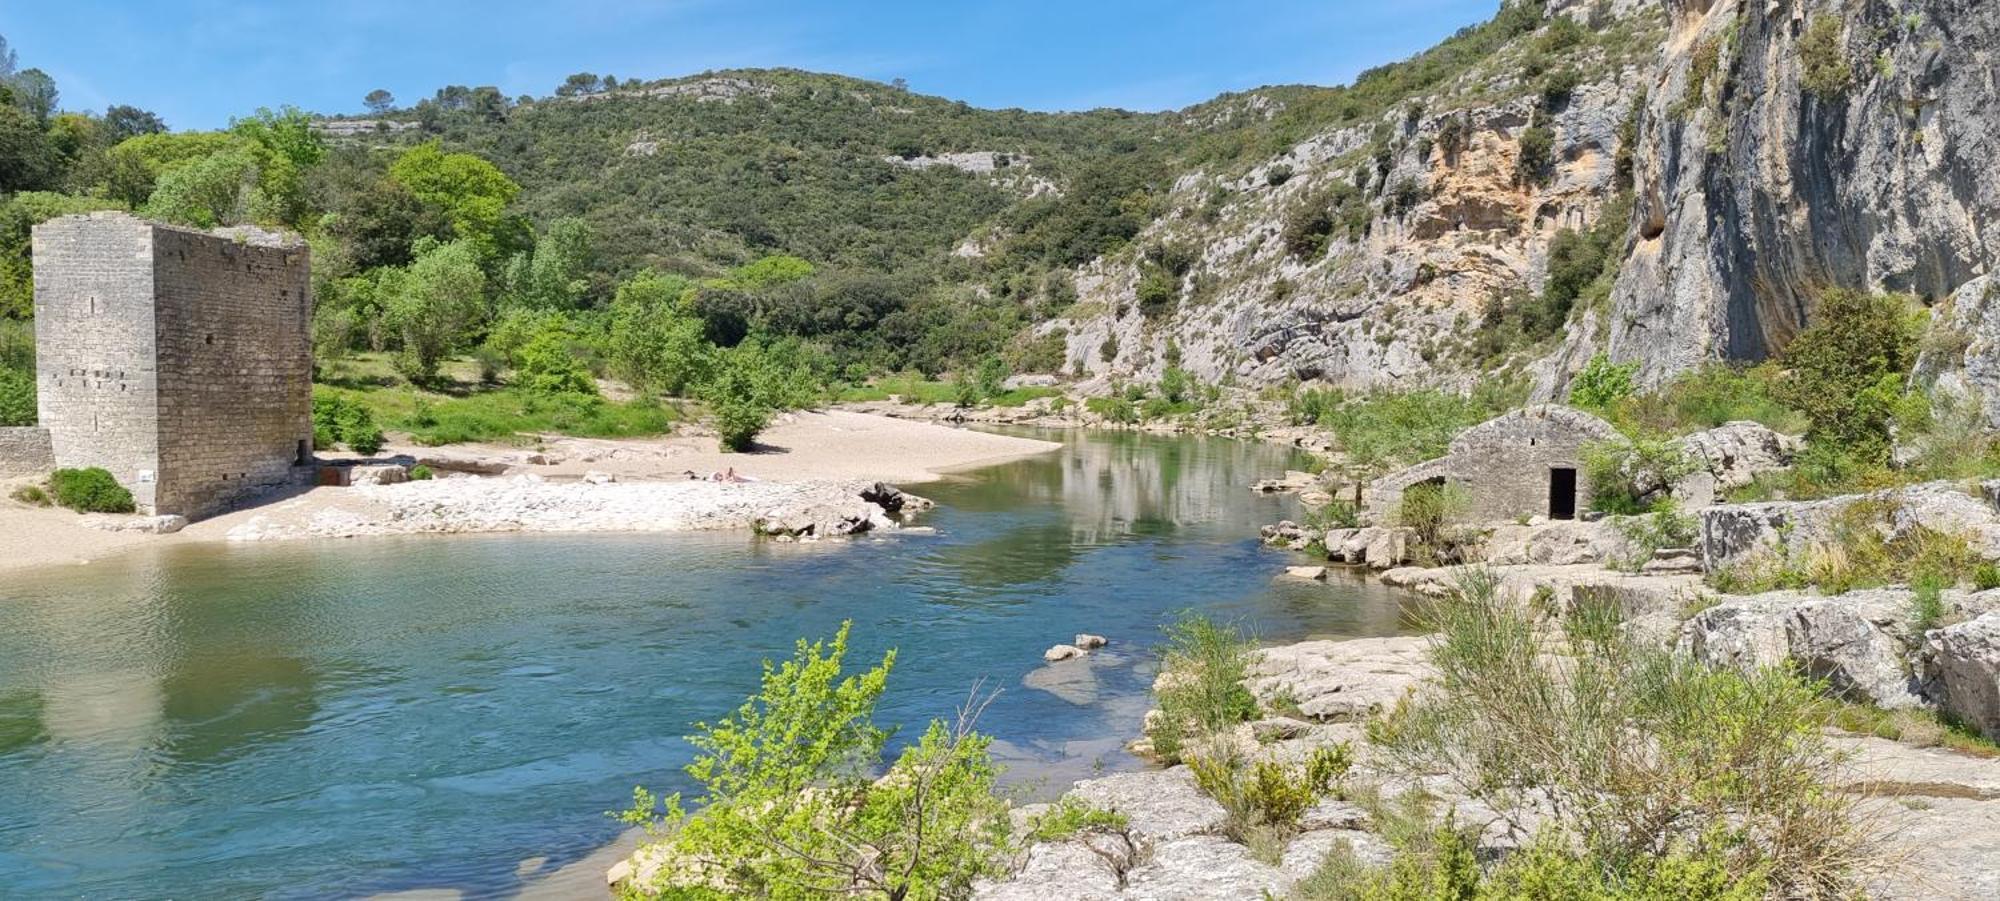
(794, 802)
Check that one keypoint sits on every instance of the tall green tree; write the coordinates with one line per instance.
(552, 276)
(435, 305)
(470, 191)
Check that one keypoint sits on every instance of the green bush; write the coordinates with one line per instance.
(92, 490)
(1265, 801)
(17, 397)
(1602, 384)
(1069, 817)
(32, 495)
(340, 420)
(1847, 369)
(794, 802)
(1114, 409)
(1632, 477)
(1538, 157)
(1641, 753)
(1203, 693)
(421, 473)
(1827, 70)
(1986, 577)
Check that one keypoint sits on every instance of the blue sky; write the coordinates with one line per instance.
(199, 62)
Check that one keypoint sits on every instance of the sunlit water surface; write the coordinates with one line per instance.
(346, 718)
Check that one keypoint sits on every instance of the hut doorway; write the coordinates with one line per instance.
(1562, 493)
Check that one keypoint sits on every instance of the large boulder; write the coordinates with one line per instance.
(1857, 642)
(1731, 456)
(1732, 534)
(1964, 665)
(1558, 543)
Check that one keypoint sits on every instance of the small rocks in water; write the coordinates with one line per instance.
(594, 477)
(1062, 652)
(1309, 573)
(884, 495)
(1089, 642)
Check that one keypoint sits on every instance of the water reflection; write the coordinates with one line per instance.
(380, 715)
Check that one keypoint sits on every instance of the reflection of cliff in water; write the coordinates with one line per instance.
(1114, 484)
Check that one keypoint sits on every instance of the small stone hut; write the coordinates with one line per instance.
(1524, 463)
(179, 360)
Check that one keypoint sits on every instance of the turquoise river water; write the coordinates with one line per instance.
(341, 719)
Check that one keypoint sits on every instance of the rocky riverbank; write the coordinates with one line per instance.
(1940, 808)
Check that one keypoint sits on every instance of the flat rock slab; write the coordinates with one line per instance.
(1161, 805)
(1339, 680)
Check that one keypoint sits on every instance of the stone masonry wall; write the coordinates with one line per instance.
(179, 360)
(24, 451)
(234, 331)
(94, 363)
(1504, 465)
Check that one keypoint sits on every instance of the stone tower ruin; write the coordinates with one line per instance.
(179, 360)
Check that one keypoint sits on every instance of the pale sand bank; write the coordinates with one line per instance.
(806, 459)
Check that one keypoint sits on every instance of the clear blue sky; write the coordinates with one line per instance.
(199, 62)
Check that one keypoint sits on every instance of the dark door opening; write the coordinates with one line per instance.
(1562, 493)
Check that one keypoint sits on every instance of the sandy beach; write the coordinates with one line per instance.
(805, 459)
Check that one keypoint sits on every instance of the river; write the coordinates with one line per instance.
(347, 718)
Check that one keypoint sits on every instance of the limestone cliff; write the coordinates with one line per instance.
(1790, 145)
(1438, 222)
(1775, 148)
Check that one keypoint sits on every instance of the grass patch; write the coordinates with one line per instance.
(503, 414)
(1922, 728)
(1069, 818)
(1201, 692)
(909, 387)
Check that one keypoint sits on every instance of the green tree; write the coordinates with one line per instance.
(27, 161)
(34, 93)
(472, 194)
(1847, 368)
(18, 215)
(379, 101)
(205, 192)
(122, 122)
(654, 343)
(435, 305)
(552, 275)
(1602, 384)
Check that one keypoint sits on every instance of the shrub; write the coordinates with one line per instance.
(1277, 174)
(1114, 409)
(17, 397)
(549, 365)
(1265, 801)
(1602, 384)
(1847, 369)
(340, 420)
(1537, 155)
(422, 473)
(1203, 693)
(791, 806)
(1827, 70)
(1927, 602)
(1069, 817)
(1632, 477)
(1430, 509)
(1641, 753)
(32, 495)
(92, 490)
(1157, 291)
(1986, 577)
(1665, 527)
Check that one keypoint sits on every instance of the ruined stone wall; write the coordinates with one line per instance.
(179, 360)
(24, 451)
(1503, 466)
(234, 339)
(95, 369)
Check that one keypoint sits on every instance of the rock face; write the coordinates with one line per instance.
(1790, 146)
(1733, 534)
(1441, 224)
(1965, 662)
(1857, 642)
(1731, 456)
(1340, 680)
